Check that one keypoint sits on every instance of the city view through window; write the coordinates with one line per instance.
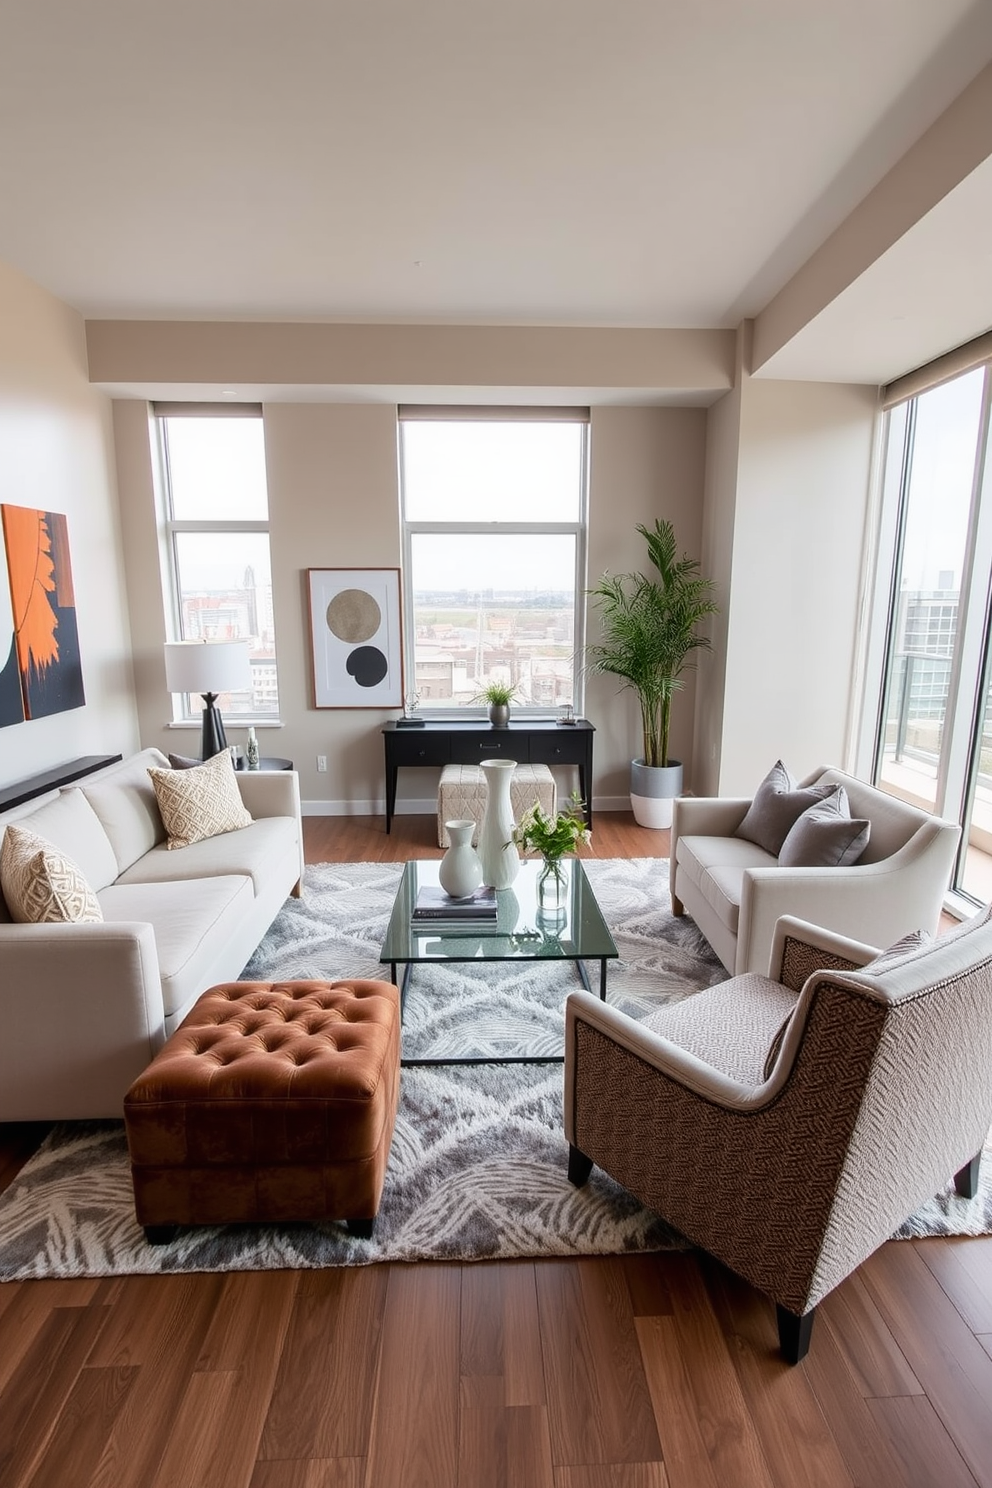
(495, 550)
(218, 524)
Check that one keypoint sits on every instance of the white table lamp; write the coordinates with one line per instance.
(209, 668)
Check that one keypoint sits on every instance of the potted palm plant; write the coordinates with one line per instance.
(650, 628)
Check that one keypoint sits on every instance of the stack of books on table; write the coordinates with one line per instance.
(436, 910)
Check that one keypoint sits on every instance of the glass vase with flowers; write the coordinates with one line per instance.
(553, 837)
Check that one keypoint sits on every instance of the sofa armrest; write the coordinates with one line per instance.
(274, 793)
(800, 948)
(270, 792)
(703, 816)
(82, 1014)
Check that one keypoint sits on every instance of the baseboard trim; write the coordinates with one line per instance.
(425, 807)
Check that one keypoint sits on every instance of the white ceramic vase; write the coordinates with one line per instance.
(460, 871)
(497, 849)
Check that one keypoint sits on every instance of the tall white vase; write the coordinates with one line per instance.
(497, 849)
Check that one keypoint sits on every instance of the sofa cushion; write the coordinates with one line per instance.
(69, 823)
(201, 802)
(256, 851)
(778, 802)
(825, 836)
(41, 884)
(697, 856)
(189, 918)
(124, 799)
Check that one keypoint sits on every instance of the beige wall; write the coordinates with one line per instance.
(645, 463)
(56, 454)
(722, 455)
(334, 502)
(799, 526)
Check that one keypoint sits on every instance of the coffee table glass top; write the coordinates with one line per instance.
(521, 932)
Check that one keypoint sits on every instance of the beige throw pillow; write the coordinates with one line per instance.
(41, 884)
(200, 803)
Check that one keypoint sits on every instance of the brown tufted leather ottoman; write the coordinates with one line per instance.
(271, 1101)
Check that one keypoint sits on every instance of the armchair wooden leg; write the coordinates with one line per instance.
(579, 1166)
(678, 908)
(794, 1333)
(966, 1181)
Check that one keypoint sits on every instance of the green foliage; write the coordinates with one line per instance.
(552, 836)
(499, 693)
(650, 627)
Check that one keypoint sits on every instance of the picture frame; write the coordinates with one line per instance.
(356, 637)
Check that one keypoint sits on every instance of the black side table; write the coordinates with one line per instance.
(267, 762)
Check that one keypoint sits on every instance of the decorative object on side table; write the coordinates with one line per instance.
(649, 628)
(252, 752)
(409, 718)
(553, 837)
(460, 871)
(497, 849)
(499, 696)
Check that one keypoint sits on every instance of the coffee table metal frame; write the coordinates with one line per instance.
(522, 933)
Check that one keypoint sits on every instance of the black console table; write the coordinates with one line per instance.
(539, 742)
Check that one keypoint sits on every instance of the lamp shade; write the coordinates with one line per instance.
(207, 666)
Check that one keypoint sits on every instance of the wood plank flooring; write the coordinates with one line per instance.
(620, 1372)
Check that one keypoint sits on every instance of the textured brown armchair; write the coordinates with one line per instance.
(791, 1161)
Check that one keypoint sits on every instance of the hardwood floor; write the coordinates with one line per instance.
(622, 1372)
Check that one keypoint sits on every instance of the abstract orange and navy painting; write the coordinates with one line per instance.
(45, 640)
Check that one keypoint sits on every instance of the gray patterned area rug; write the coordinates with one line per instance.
(477, 1166)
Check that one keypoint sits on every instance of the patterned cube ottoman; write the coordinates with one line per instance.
(461, 795)
(271, 1101)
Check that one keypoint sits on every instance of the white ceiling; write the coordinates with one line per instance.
(590, 162)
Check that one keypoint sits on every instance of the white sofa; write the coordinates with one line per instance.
(84, 1007)
(736, 891)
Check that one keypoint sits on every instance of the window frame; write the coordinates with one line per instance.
(579, 529)
(173, 527)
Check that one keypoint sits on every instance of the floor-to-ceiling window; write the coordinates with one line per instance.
(933, 743)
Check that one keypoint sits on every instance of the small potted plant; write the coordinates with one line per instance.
(650, 628)
(499, 696)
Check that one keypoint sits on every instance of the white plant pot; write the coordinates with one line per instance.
(653, 789)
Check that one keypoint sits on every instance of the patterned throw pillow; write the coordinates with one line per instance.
(906, 945)
(778, 801)
(200, 803)
(41, 884)
(825, 836)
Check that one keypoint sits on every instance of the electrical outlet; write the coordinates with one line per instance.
(322, 764)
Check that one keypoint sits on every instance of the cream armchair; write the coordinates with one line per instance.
(735, 891)
(791, 1160)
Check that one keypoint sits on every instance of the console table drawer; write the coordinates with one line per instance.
(472, 749)
(564, 748)
(416, 747)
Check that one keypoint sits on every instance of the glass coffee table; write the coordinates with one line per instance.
(522, 933)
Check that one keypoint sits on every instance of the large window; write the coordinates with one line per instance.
(494, 510)
(217, 542)
(933, 744)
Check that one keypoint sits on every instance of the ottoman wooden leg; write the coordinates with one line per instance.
(161, 1234)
